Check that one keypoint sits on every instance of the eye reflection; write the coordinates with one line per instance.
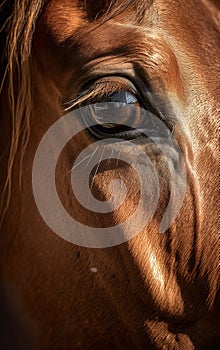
(113, 112)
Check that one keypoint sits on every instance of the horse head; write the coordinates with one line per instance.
(109, 174)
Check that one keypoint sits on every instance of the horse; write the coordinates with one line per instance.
(154, 290)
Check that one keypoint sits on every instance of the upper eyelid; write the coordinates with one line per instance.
(109, 78)
(93, 89)
(113, 83)
(129, 84)
(110, 92)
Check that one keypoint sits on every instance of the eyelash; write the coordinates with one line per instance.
(99, 88)
(110, 85)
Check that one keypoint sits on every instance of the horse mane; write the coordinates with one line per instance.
(17, 25)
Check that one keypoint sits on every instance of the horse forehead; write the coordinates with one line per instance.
(64, 17)
(173, 9)
(170, 20)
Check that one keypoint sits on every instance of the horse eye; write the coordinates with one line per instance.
(117, 115)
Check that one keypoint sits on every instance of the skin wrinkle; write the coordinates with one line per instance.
(157, 290)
